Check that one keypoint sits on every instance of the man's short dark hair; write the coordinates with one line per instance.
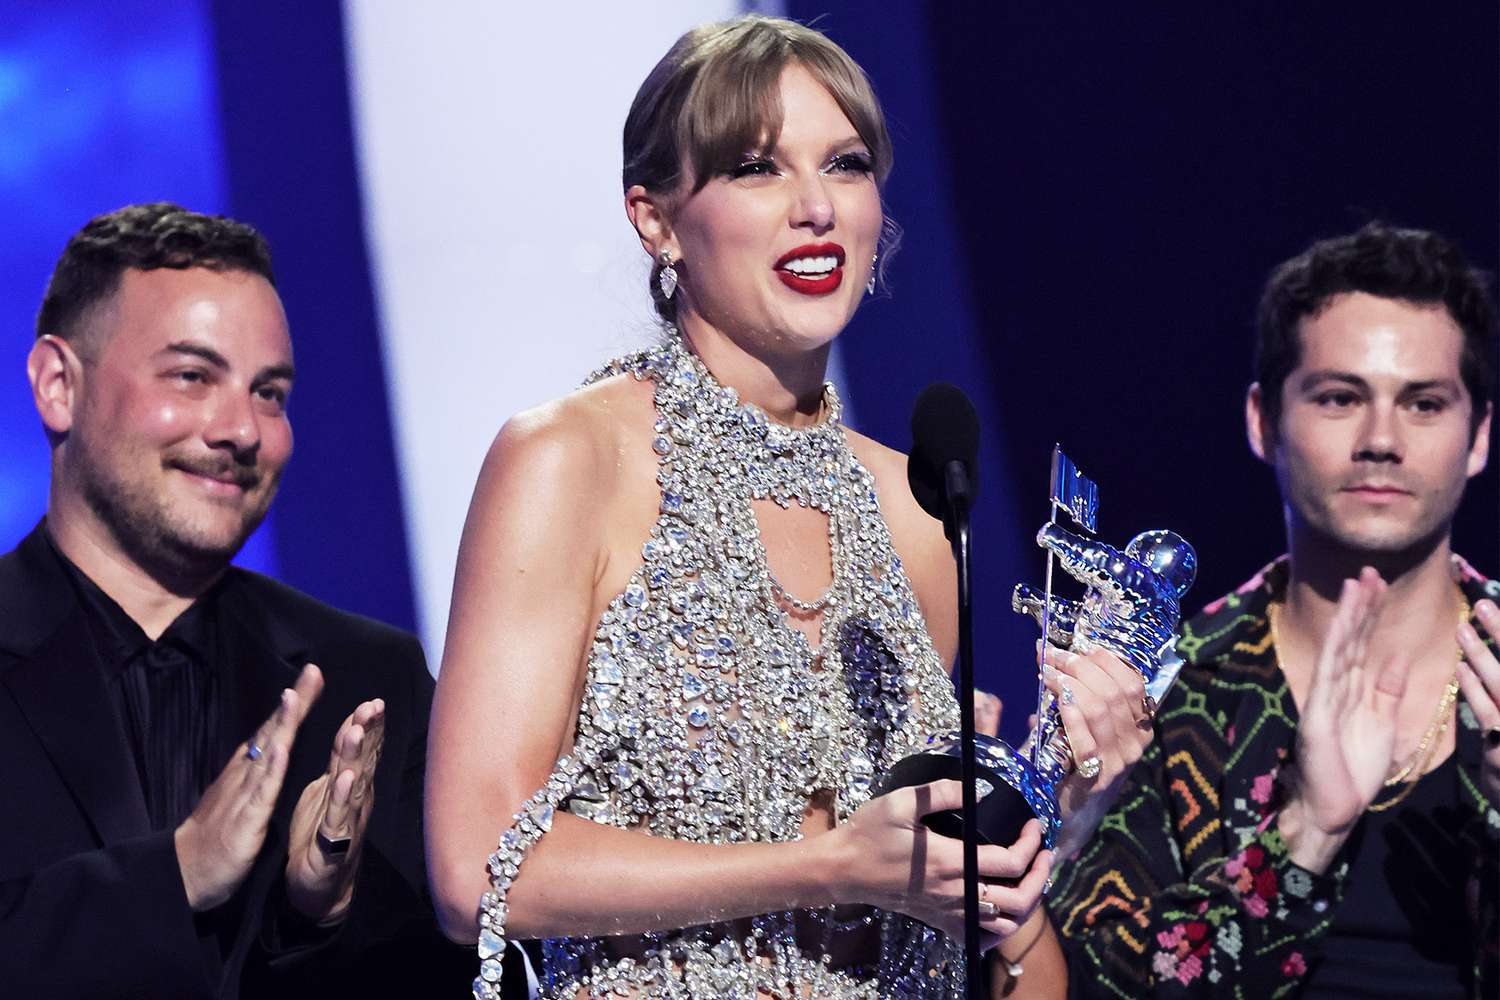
(1412, 265)
(145, 237)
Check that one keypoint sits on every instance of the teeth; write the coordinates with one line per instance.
(812, 266)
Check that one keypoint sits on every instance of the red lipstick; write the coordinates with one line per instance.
(822, 270)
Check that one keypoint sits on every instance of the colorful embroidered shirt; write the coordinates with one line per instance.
(1186, 889)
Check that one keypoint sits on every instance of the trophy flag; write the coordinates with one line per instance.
(1074, 492)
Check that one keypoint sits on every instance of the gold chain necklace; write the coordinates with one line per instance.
(1435, 729)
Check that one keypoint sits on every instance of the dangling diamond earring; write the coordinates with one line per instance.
(667, 279)
(874, 264)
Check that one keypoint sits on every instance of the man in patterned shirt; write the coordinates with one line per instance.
(1317, 815)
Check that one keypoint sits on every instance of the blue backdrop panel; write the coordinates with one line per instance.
(102, 103)
(291, 172)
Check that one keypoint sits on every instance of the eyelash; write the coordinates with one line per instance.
(1342, 399)
(757, 166)
(762, 166)
(857, 163)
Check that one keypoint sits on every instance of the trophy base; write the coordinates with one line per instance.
(1017, 791)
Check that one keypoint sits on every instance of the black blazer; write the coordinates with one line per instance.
(91, 901)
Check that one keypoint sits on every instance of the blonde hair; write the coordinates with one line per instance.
(714, 97)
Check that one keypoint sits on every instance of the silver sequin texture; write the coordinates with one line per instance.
(708, 717)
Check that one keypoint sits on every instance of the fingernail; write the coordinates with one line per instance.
(1050, 672)
(1466, 631)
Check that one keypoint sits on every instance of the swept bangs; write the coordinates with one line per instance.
(714, 99)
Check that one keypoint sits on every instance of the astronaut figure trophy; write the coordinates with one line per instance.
(1131, 607)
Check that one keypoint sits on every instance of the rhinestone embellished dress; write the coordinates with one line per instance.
(708, 717)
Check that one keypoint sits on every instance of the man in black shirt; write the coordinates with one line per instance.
(196, 809)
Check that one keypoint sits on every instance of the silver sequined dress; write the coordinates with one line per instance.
(708, 717)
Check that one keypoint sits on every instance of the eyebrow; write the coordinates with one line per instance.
(1329, 375)
(279, 371)
(839, 145)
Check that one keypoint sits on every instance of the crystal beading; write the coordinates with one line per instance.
(706, 716)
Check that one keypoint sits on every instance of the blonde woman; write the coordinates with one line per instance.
(695, 615)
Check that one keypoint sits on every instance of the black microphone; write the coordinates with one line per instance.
(942, 472)
(943, 469)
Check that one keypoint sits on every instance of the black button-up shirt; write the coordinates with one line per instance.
(166, 693)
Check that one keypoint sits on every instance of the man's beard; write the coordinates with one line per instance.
(156, 537)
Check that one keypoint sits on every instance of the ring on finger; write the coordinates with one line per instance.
(253, 751)
(1148, 708)
(1089, 766)
(332, 847)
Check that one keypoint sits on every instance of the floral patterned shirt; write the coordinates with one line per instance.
(1186, 889)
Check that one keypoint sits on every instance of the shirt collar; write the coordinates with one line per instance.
(121, 638)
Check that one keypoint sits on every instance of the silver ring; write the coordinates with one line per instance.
(253, 751)
(1089, 767)
(988, 910)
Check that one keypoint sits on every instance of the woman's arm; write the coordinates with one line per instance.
(524, 604)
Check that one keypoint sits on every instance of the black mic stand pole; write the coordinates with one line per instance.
(956, 483)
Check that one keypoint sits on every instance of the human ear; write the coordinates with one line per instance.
(648, 214)
(1479, 448)
(56, 376)
(1260, 436)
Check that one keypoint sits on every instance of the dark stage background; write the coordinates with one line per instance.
(1093, 195)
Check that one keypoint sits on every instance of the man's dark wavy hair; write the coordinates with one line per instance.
(145, 237)
(1412, 265)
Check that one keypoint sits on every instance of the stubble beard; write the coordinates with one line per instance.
(143, 524)
(1392, 550)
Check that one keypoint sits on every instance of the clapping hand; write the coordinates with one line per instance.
(1347, 734)
(218, 843)
(328, 825)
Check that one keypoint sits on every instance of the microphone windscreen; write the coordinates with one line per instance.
(944, 429)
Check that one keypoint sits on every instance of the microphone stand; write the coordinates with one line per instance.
(956, 489)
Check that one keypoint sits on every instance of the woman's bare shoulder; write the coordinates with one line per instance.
(580, 435)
